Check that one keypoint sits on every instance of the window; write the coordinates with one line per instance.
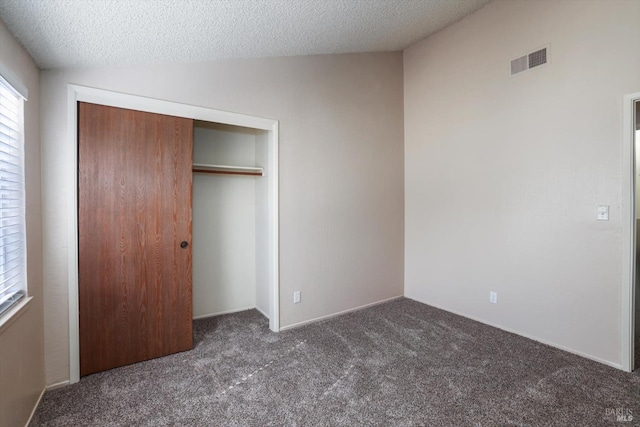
(13, 279)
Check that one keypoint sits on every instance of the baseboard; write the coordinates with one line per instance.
(57, 385)
(531, 337)
(33, 411)
(329, 316)
(235, 310)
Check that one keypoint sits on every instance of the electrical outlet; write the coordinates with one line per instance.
(493, 297)
(296, 297)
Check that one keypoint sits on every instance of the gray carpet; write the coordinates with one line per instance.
(397, 364)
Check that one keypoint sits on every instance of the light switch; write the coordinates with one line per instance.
(603, 213)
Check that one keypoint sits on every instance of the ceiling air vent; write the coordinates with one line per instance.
(531, 60)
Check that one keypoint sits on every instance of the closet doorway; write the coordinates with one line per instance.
(262, 173)
(230, 228)
(630, 206)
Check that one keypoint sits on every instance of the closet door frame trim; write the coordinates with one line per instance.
(75, 94)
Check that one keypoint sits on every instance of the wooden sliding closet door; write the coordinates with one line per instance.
(134, 179)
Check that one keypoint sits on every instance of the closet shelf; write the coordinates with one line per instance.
(226, 169)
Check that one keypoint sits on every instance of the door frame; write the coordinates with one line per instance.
(76, 93)
(628, 232)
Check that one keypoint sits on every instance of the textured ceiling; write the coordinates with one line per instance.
(88, 33)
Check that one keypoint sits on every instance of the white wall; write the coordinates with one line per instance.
(224, 222)
(22, 340)
(503, 174)
(341, 172)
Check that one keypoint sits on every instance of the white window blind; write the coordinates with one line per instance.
(13, 281)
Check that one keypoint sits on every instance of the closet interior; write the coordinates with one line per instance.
(230, 247)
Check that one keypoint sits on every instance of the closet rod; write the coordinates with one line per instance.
(227, 169)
